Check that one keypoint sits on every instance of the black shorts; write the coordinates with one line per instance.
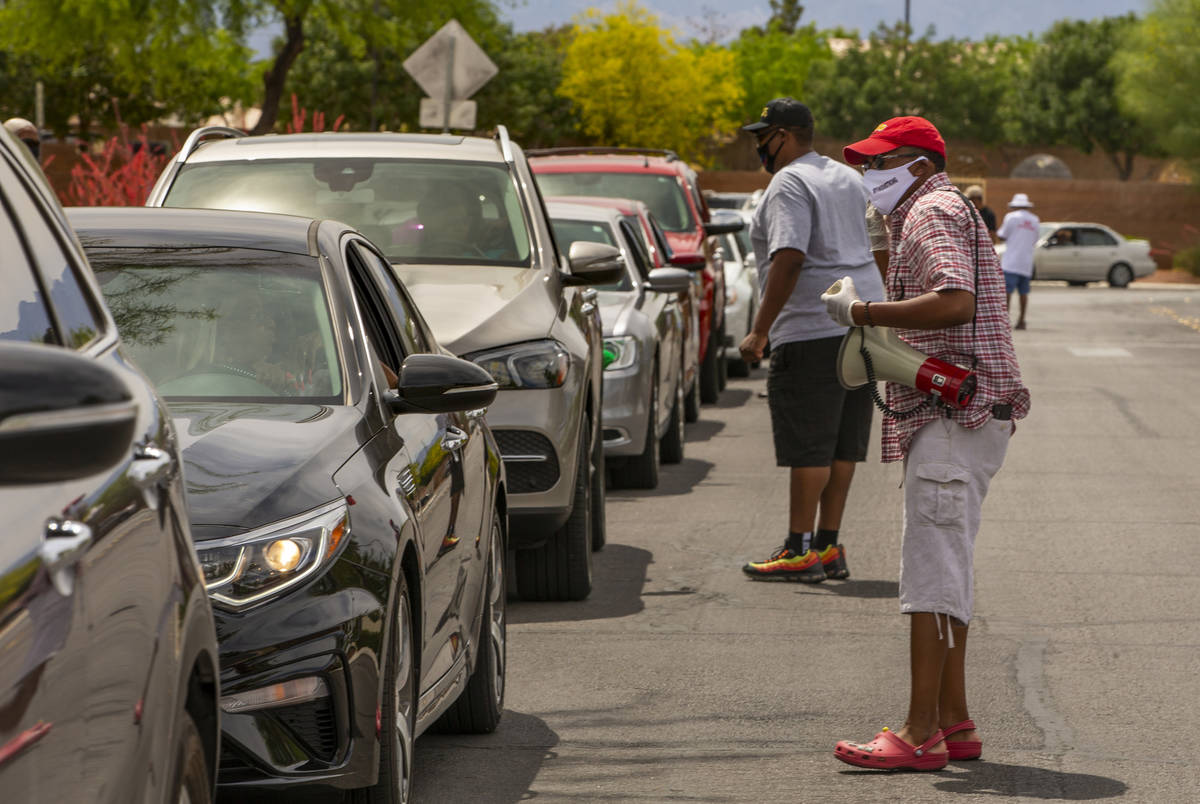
(814, 419)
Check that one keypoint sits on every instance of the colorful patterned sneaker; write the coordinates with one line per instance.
(833, 559)
(784, 565)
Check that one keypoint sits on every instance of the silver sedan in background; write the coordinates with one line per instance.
(642, 414)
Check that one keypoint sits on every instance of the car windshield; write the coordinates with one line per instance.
(661, 193)
(423, 211)
(219, 323)
(567, 232)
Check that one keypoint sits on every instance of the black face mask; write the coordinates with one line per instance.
(767, 158)
(35, 147)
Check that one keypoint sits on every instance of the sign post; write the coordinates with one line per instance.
(450, 67)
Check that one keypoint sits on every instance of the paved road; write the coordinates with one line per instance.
(681, 681)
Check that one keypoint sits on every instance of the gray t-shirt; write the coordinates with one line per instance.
(815, 205)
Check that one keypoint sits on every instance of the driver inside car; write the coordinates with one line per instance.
(452, 224)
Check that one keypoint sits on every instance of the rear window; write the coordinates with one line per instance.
(415, 211)
(228, 324)
(567, 232)
(662, 194)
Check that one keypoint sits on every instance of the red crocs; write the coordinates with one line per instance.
(889, 752)
(962, 749)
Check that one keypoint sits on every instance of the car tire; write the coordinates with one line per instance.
(561, 568)
(670, 446)
(641, 471)
(192, 780)
(691, 402)
(481, 704)
(1120, 275)
(710, 380)
(722, 363)
(599, 496)
(398, 712)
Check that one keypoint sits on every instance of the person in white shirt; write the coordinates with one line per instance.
(1019, 231)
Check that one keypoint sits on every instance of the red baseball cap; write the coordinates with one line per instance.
(890, 134)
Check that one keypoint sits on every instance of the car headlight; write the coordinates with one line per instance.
(247, 569)
(620, 352)
(537, 364)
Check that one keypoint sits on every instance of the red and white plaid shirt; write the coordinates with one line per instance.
(931, 250)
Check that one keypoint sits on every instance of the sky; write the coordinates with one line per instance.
(960, 19)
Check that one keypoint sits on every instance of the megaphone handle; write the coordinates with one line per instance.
(874, 390)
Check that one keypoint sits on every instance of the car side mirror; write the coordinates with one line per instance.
(440, 384)
(689, 261)
(723, 227)
(594, 264)
(669, 280)
(62, 416)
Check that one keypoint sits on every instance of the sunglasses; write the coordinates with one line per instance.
(877, 162)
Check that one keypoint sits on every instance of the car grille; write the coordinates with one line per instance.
(314, 724)
(529, 460)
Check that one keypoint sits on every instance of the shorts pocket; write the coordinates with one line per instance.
(942, 493)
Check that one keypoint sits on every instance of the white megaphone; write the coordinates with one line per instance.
(877, 353)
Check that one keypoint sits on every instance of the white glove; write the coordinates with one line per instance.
(840, 297)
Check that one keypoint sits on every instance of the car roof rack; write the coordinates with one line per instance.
(505, 143)
(584, 150)
(206, 132)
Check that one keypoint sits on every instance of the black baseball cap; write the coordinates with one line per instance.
(787, 112)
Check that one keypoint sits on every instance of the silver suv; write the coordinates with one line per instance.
(464, 227)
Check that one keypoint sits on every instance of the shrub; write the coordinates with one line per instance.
(121, 175)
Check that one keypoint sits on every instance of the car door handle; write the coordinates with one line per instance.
(454, 439)
(62, 546)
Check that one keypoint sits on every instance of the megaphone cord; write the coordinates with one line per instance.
(873, 388)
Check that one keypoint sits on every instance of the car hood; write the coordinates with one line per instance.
(473, 307)
(615, 309)
(247, 465)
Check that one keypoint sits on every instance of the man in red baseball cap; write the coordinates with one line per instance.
(945, 297)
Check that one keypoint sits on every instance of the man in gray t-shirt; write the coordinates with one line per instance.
(808, 231)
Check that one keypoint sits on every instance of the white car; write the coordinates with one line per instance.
(1088, 252)
(741, 288)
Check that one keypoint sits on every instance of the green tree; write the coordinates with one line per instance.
(959, 85)
(353, 65)
(1069, 93)
(635, 86)
(153, 58)
(775, 62)
(524, 94)
(1157, 68)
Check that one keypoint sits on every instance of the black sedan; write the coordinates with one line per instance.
(108, 654)
(344, 491)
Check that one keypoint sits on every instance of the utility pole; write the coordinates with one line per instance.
(907, 4)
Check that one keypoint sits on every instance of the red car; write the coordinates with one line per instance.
(670, 188)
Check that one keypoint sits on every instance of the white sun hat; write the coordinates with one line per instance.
(1020, 200)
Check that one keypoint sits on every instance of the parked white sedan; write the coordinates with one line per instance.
(1088, 252)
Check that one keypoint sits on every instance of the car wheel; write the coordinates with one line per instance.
(641, 471)
(479, 707)
(398, 712)
(191, 784)
(691, 402)
(722, 363)
(710, 382)
(1120, 275)
(670, 446)
(561, 569)
(599, 495)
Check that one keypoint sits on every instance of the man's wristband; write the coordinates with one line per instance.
(867, 314)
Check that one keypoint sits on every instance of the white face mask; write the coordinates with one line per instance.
(887, 187)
